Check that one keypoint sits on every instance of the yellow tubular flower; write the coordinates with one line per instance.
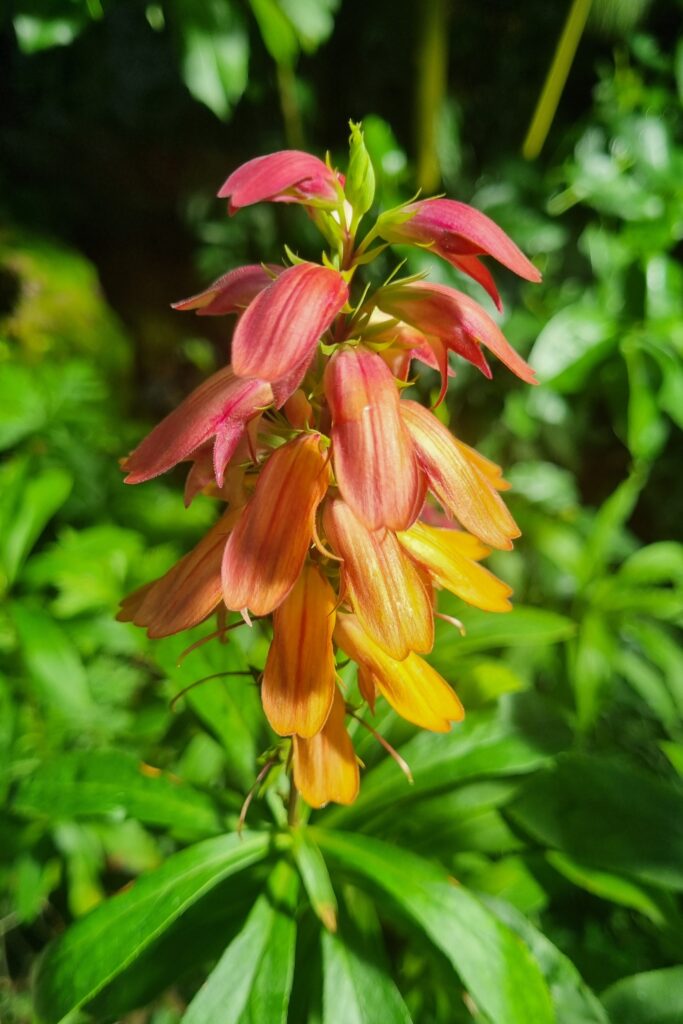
(441, 553)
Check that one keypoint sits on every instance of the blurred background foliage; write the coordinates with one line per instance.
(558, 805)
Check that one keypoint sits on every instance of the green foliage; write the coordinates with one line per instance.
(537, 857)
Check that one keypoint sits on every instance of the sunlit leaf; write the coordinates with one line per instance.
(100, 946)
(496, 967)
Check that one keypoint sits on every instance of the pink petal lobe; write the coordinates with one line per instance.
(232, 292)
(288, 175)
(455, 229)
(283, 324)
(221, 401)
(373, 456)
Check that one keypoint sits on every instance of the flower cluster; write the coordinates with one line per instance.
(347, 505)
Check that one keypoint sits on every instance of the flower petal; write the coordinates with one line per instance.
(325, 766)
(374, 461)
(221, 405)
(383, 586)
(188, 592)
(282, 326)
(456, 482)
(285, 176)
(440, 552)
(456, 229)
(266, 551)
(232, 292)
(414, 689)
(456, 318)
(298, 680)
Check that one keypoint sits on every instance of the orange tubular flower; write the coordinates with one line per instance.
(447, 556)
(463, 490)
(325, 766)
(384, 588)
(414, 689)
(373, 456)
(187, 593)
(266, 551)
(322, 470)
(298, 680)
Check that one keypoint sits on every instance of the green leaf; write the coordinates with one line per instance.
(573, 1000)
(100, 946)
(27, 504)
(357, 987)
(215, 53)
(229, 707)
(607, 886)
(52, 662)
(315, 876)
(571, 345)
(592, 667)
(608, 815)
(519, 735)
(22, 404)
(277, 32)
(253, 979)
(495, 966)
(655, 997)
(313, 20)
(114, 784)
(600, 547)
(647, 429)
(522, 627)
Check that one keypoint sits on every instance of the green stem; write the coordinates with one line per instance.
(432, 77)
(556, 79)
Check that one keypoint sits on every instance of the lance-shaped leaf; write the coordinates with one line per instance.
(287, 176)
(497, 968)
(298, 680)
(383, 585)
(373, 456)
(232, 292)
(219, 408)
(456, 481)
(443, 553)
(187, 593)
(458, 233)
(453, 316)
(283, 324)
(101, 945)
(413, 688)
(325, 766)
(266, 551)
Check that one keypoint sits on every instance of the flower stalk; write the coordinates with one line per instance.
(346, 506)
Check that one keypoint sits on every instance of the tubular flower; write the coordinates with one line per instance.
(232, 292)
(289, 176)
(346, 507)
(374, 460)
(458, 233)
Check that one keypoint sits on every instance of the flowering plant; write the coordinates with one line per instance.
(346, 504)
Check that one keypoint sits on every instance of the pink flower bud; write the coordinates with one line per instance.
(232, 292)
(457, 319)
(288, 176)
(459, 233)
(374, 461)
(281, 328)
(219, 408)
